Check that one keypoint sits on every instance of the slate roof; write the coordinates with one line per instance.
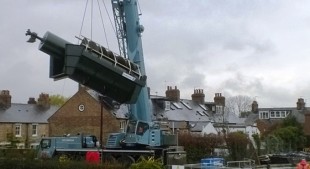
(229, 117)
(26, 113)
(121, 112)
(251, 119)
(185, 110)
(199, 126)
(299, 114)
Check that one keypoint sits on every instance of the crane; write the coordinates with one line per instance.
(121, 77)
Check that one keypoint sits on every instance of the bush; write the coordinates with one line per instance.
(150, 163)
(198, 147)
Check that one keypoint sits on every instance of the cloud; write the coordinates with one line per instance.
(254, 48)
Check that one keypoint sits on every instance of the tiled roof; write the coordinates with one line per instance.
(26, 113)
(229, 117)
(185, 110)
(299, 114)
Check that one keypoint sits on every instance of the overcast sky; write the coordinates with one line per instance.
(235, 47)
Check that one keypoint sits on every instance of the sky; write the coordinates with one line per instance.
(254, 48)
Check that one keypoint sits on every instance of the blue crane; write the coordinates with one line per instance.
(123, 78)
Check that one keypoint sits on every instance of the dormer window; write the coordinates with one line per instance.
(264, 115)
(167, 105)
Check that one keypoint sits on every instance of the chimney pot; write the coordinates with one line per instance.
(198, 96)
(301, 104)
(32, 100)
(173, 94)
(219, 99)
(43, 100)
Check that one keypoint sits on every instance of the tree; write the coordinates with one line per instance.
(239, 105)
(58, 100)
(286, 136)
(291, 133)
(257, 142)
(237, 143)
(198, 147)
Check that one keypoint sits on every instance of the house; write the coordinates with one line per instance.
(267, 117)
(24, 124)
(89, 113)
(196, 115)
(182, 115)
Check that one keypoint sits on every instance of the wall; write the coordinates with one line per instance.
(26, 139)
(69, 119)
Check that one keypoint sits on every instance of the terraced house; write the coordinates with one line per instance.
(23, 125)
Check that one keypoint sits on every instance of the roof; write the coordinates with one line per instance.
(119, 111)
(185, 110)
(299, 114)
(26, 113)
(229, 117)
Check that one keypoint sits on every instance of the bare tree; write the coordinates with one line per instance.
(238, 104)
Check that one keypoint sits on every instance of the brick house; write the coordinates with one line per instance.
(26, 124)
(268, 117)
(23, 125)
(82, 114)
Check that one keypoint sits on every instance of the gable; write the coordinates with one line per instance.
(80, 104)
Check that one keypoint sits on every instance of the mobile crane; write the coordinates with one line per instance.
(123, 78)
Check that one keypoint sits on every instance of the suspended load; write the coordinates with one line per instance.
(94, 66)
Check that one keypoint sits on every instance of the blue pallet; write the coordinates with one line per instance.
(208, 163)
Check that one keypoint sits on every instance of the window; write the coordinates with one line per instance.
(203, 107)
(200, 113)
(45, 143)
(264, 115)
(277, 114)
(186, 105)
(283, 114)
(167, 105)
(34, 129)
(272, 114)
(177, 105)
(141, 128)
(18, 130)
(131, 127)
(219, 109)
(122, 125)
(206, 113)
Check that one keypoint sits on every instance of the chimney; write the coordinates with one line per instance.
(198, 96)
(301, 104)
(255, 107)
(43, 101)
(173, 94)
(32, 100)
(219, 100)
(5, 99)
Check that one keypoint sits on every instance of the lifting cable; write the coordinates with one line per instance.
(91, 21)
(105, 33)
(80, 34)
(114, 29)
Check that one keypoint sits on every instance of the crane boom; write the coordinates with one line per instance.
(123, 78)
(129, 32)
